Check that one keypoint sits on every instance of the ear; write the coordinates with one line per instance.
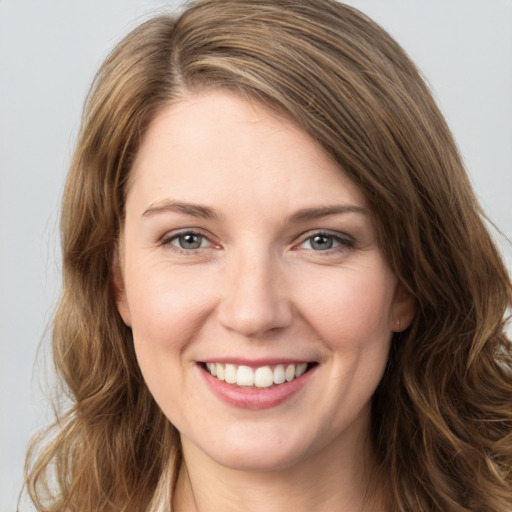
(118, 285)
(402, 310)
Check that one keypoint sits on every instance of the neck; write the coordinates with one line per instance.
(330, 480)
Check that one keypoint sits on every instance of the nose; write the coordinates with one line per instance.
(254, 299)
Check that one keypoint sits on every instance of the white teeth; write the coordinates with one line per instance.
(230, 374)
(245, 376)
(262, 377)
(279, 376)
(300, 370)
(212, 367)
(290, 372)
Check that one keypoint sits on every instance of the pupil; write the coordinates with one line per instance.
(190, 241)
(321, 242)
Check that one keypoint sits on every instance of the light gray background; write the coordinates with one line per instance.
(49, 51)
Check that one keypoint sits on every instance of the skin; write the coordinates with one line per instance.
(257, 287)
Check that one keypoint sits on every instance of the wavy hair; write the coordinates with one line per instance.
(442, 415)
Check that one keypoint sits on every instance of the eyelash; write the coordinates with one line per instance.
(340, 243)
(168, 240)
(343, 243)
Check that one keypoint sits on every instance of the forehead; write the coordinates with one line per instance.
(217, 146)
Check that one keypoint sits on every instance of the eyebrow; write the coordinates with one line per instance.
(168, 205)
(197, 210)
(326, 211)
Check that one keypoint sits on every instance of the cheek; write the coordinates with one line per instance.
(351, 307)
(167, 310)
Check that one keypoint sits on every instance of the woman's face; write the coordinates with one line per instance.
(248, 254)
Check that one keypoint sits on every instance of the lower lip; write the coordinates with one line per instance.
(255, 398)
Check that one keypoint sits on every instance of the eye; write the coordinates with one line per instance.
(326, 241)
(187, 241)
(321, 242)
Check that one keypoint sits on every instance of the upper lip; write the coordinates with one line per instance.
(256, 363)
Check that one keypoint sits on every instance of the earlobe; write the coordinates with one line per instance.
(119, 289)
(403, 309)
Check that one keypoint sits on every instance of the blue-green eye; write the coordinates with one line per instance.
(189, 241)
(325, 241)
(321, 242)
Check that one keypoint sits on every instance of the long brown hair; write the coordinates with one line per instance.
(442, 415)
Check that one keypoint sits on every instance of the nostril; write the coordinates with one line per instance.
(253, 298)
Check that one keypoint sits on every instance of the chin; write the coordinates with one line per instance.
(257, 459)
(259, 447)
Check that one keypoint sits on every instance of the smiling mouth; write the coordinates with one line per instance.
(261, 377)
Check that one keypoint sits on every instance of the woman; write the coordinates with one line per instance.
(278, 291)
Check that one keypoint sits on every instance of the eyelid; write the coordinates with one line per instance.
(169, 236)
(344, 241)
